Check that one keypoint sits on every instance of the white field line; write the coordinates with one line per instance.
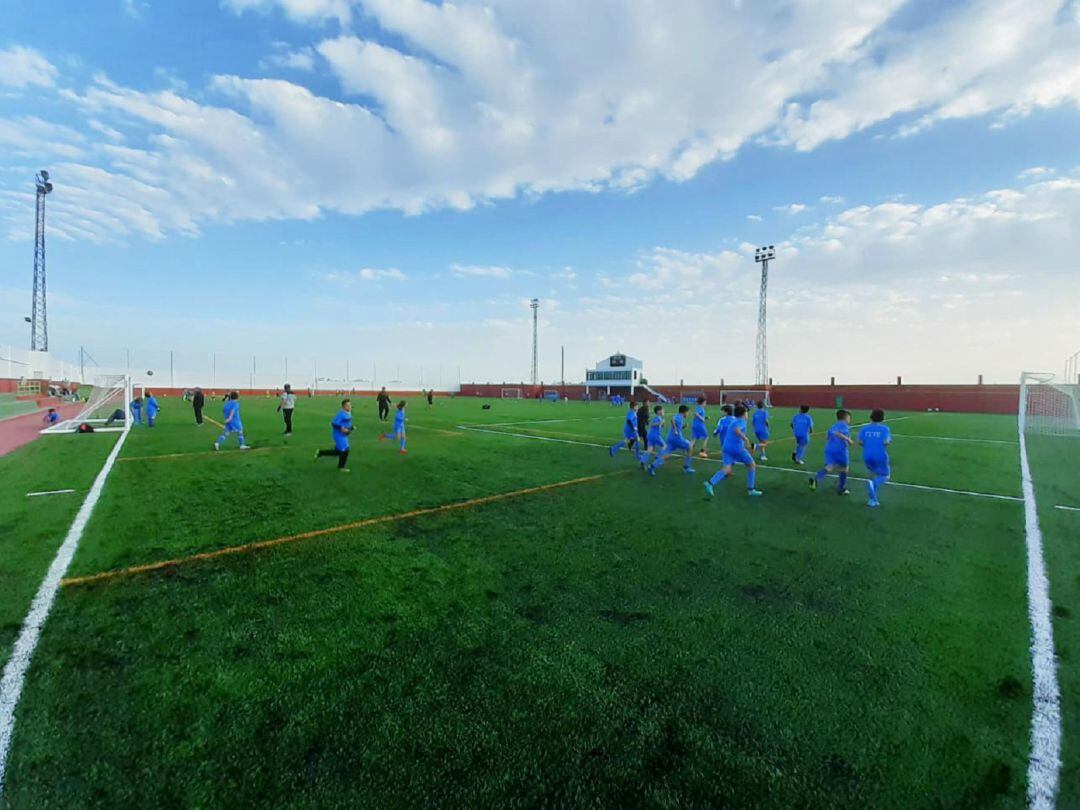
(955, 439)
(50, 492)
(1045, 760)
(545, 421)
(923, 487)
(11, 684)
(1068, 508)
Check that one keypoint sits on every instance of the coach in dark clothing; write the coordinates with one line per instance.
(197, 402)
(643, 424)
(384, 405)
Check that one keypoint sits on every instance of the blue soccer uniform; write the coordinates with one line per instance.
(760, 420)
(674, 444)
(802, 425)
(399, 430)
(699, 427)
(340, 428)
(875, 439)
(629, 432)
(151, 410)
(735, 452)
(837, 456)
(230, 412)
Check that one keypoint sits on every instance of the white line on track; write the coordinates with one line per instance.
(1044, 763)
(50, 492)
(11, 684)
(923, 487)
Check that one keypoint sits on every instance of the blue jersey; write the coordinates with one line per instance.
(733, 442)
(151, 405)
(761, 420)
(341, 424)
(875, 438)
(835, 445)
(656, 426)
(723, 426)
(802, 424)
(631, 421)
(399, 420)
(699, 414)
(677, 422)
(231, 411)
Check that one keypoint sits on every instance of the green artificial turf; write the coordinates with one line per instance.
(618, 642)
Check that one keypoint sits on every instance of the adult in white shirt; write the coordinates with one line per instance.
(285, 407)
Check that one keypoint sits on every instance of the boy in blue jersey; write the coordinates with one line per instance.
(675, 442)
(724, 423)
(231, 413)
(52, 417)
(340, 426)
(629, 432)
(654, 439)
(837, 452)
(136, 411)
(875, 439)
(151, 408)
(761, 430)
(399, 428)
(802, 425)
(699, 429)
(736, 448)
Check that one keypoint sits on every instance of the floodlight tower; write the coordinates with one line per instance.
(39, 321)
(534, 305)
(763, 255)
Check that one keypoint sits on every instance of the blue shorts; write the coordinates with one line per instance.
(740, 456)
(762, 435)
(834, 459)
(676, 443)
(699, 431)
(234, 427)
(878, 466)
(802, 441)
(654, 439)
(341, 443)
(629, 435)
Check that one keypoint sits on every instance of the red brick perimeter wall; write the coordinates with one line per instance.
(959, 398)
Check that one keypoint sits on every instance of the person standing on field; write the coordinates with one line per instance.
(198, 400)
(286, 406)
(430, 397)
(384, 405)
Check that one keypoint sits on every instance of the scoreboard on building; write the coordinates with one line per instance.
(617, 361)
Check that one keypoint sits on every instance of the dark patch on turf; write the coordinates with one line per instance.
(625, 617)
(670, 752)
(191, 634)
(492, 595)
(761, 593)
(1010, 688)
(995, 782)
(1062, 612)
(840, 774)
(537, 614)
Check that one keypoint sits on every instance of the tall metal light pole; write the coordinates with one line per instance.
(534, 304)
(39, 319)
(763, 255)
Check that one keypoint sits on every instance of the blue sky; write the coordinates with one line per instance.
(387, 182)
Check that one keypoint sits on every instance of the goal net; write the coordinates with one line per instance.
(108, 409)
(734, 396)
(511, 393)
(1049, 407)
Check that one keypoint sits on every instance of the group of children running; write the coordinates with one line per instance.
(341, 426)
(652, 448)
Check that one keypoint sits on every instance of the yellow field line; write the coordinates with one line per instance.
(435, 430)
(294, 538)
(201, 453)
(213, 421)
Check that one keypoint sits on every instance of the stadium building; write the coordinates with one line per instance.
(617, 374)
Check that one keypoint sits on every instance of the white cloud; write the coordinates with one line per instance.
(303, 11)
(1035, 172)
(754, 218)
(481, 271)
(25, 67)
(364, 274)
(302, 59)
(793, 208)
(830, 200)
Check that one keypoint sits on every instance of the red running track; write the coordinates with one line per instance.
(20, 430)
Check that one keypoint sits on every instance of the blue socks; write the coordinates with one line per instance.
(843, 482)
(751, 478)
(820, 474)
(718, 477)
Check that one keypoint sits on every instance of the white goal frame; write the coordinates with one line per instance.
(511, 393)
(1049, 407)
(112, 391)
(756, 394)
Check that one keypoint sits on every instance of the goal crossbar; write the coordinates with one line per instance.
(108, 410)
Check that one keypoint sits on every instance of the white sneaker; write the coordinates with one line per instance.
(244, 447)
(215, 446)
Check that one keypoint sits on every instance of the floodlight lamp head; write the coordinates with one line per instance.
(45, 175)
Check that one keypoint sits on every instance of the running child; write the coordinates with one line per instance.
(735, 447)
(151, 408)
(340, 427)
(399, 428)
(231, 413)
(654, 439)
(761, 430)
(136, 411)
(675, 442)
(837, 452)
(699, 429)
(724, 423)
(875, 439)
(629, 432)
(802, 425)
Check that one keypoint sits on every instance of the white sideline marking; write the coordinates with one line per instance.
(1068, 508)
(801, 471)
(955, 439)
(50, 492)
(546, 421)
(1045, 760)
(11, 684)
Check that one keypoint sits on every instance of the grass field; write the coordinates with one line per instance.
(618, 640)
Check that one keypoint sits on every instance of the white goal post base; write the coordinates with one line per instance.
(111, 394)
(511, 393)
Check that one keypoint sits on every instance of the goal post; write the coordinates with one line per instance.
(108, 409)
(733, 396)
(511, 393)
(1048, 407)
